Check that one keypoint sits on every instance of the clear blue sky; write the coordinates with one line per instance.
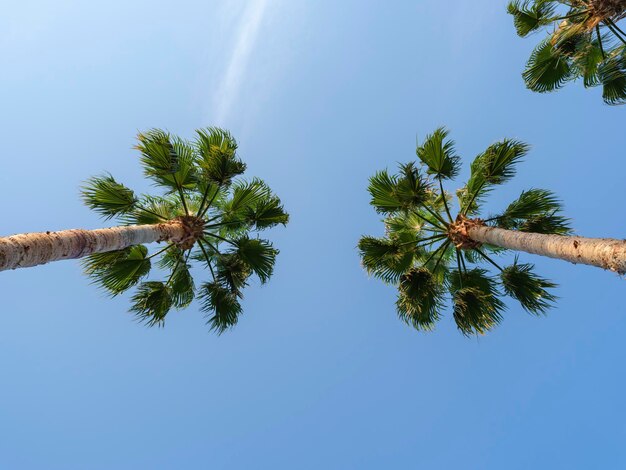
(319, 373)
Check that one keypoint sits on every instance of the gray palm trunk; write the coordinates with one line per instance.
(32, 249)
(606, 253)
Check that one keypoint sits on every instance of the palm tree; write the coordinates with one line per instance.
(585, 42)
(203, 215)
(427, 253)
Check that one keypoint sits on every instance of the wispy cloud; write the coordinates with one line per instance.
(247, 34)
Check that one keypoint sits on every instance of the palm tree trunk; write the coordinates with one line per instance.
(606, 253)
(608, 8)
(32, 249)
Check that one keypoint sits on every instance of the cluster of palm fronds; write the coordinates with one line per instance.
(198, 180)
(417, 253)
(585, 42)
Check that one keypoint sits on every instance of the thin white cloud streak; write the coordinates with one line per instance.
(248, 31)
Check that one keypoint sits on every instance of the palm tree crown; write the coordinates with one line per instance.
(219, 213)
(585, 42)
(427, 253)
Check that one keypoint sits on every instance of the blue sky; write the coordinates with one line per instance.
(319, 373)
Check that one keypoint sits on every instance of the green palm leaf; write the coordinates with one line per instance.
(612, 75)
(477, 307)
(181, 283)
(587, 60)
(385, 259)
(382, 187)
(246, 196)
(221, 305)
(530, 16)
(154, 210)
(405, 192)
(476, 312)
(548, 69)
(152, 302)
(267, 213)
(494, 166)
(167, 160)
(403, 224)
(108, 197)
(420, 299)
(259, 255)
(232, 271)
(217, 156)
(497, 163)
(547, 224)
(438, 154)
(118, 271)
(522, 284)
(530, 207)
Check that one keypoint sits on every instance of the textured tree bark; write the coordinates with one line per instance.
(606, 253)
(32, 249)
(608, 8)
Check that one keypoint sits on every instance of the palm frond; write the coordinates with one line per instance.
(403, 224)
(477, 307)
(221, 306)
(385, 259)
(108, 197)
(152, 302)
(612, 75)
(519, 282)
(182, 285)
(154, 210)
(530, 16)
(267, 213)
(167, 160)
(497, 163)
(118, 271)
(412, 189)
(259, 255)
(531, 203)
(535, 211)
(438, 154)
(247, 194)
(494, 166)
(548, 69)
(420, 299)
(570, 37)
(587, 60)
(239, 217)
(476, 312)
(406, 191)
(207, 197)
(217, 156)
(554, 224)
(382, 187)
(232, 271)
(172, 256)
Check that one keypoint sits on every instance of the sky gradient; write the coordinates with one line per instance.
(319, 372)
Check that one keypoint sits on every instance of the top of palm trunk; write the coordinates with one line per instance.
(606, 9)
(427, 252)
(219, 213)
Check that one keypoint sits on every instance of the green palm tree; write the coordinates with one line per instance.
(204, 215)
(428, 254)
(585, 41)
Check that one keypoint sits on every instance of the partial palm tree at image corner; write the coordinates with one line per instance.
(201, 209)
(431, 253)
(586, 41)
